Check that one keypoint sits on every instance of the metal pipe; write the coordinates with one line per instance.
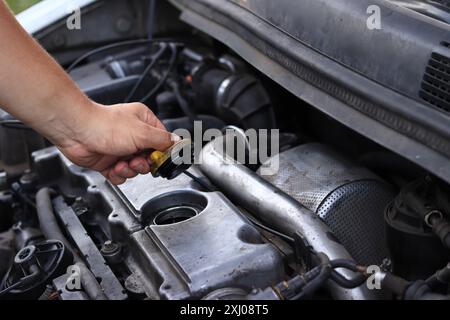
(275, 208)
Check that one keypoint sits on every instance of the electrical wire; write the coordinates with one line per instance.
(163, 79)
(151, 18)
(144, 74)
(270, 230)
(107, 48)
(16, 124)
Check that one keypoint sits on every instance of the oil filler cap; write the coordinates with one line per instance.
(174, 161)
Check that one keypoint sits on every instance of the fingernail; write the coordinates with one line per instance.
(140, 168)
(175, 138)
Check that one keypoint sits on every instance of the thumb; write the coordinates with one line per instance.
(155, 138)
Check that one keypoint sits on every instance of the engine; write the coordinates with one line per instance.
(340, 218)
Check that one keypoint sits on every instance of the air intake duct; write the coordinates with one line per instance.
(235, 97)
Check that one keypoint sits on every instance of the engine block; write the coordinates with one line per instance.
(178, 242)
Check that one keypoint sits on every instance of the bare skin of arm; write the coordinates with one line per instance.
(36, 90)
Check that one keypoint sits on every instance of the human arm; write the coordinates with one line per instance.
(36, 90)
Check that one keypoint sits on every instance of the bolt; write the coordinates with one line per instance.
(108, 244)
(111, 251)
(110, 247)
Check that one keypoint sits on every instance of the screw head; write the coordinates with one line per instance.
(110, 247)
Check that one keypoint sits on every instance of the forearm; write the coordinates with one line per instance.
(34, 88)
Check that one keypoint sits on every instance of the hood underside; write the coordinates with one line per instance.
(388, 83)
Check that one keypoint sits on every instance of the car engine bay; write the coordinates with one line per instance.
(342, 218)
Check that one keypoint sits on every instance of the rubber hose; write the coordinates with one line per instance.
(50, 228)
(348, 283)
(344, 263)
(320, 280)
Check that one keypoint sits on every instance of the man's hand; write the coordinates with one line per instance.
(115, 140)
